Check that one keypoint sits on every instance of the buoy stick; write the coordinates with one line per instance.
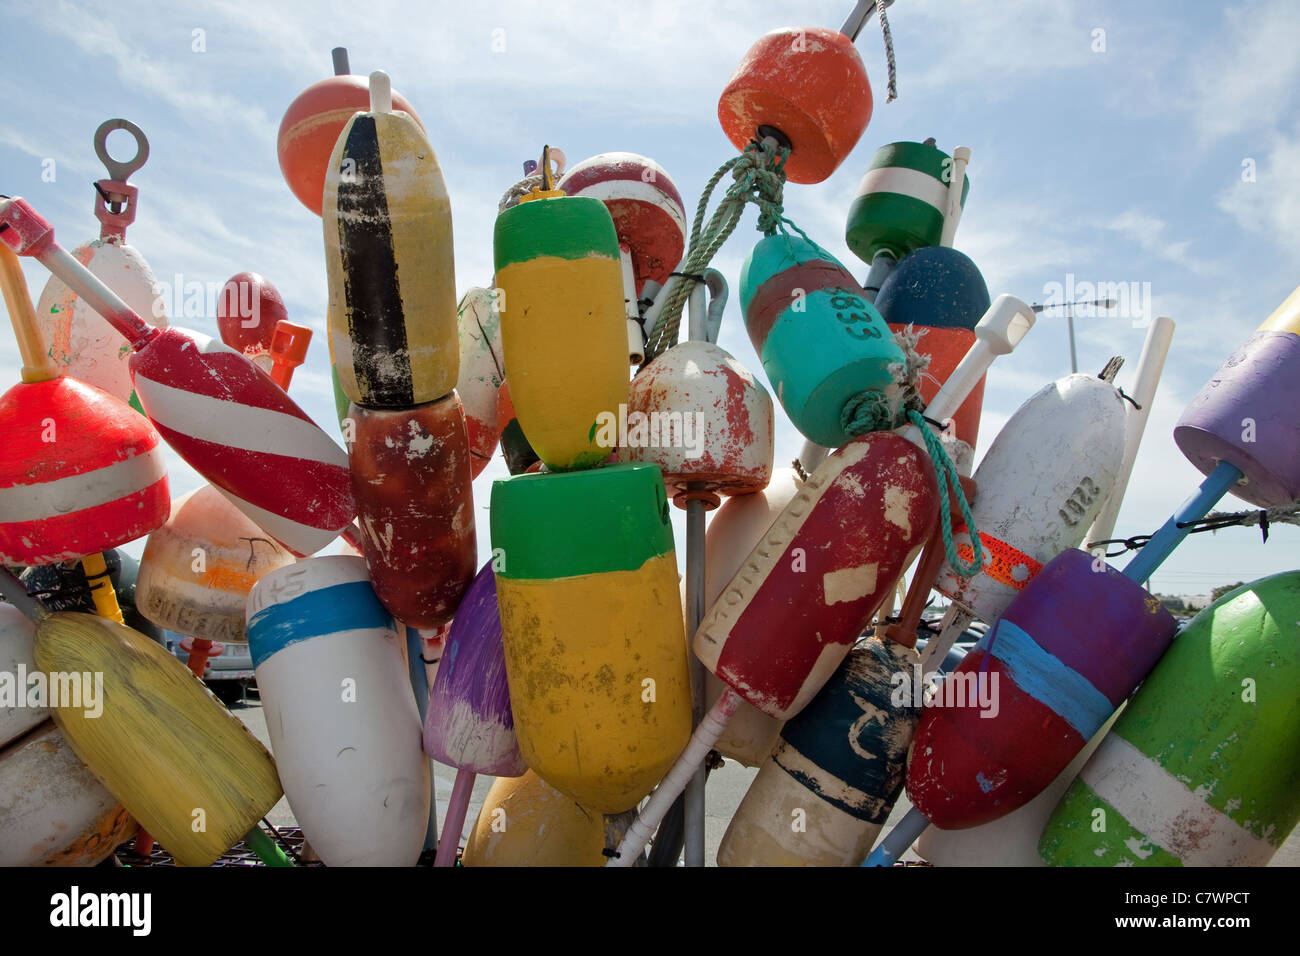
(899, 839)
(13, 591)
(861, 14)
(27, 233)
(998, 332)
(881, 266)
(288, 350)
(697, 748)
(812, 455)
(952, 216)
(455, 821)
(381, 92)
(635, 336)
(954, 624)
(265, 848)
(340, 56)
(1170, 535)
(1150, 366)
(420, 687)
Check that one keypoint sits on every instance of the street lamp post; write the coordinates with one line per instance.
(1069, 315)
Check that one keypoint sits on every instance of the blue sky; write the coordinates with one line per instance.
(1122, 164)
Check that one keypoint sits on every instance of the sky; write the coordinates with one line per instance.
(1111, 142)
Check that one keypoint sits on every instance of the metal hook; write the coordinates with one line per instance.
(120, 171)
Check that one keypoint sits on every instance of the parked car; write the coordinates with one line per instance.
(229, 674)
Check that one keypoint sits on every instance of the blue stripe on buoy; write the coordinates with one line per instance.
(343, 607)
(1048, 680)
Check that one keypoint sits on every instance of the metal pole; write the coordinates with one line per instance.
(861, 13)
(1074, 358)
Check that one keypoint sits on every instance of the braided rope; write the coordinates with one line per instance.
(758, 176)
(889, 53)
(947, 474)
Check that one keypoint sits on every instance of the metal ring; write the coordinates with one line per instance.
(119, 171)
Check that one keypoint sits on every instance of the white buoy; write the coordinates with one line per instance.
(344, 726)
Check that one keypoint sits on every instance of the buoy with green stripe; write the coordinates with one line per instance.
(392, 317)
(1203, 767)
(829, 355)
(345, 729)
(563, 323)
(901, 200)
(591, 621)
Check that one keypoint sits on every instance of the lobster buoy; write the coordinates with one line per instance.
(1041, 484)
(411, 483)
(1203, 766)
(810, 85)
(733, 531)
(386, 212)
(82, 473)
(72, 334)
(790, 615)
(53, 810)
(701, 417)
(469, 724)
(823, 794)
(939, 291)
(645, 205)
(481, 374)
(1246, 413)
(900, 204)
(344, 725)
(591, 620)
(527, 822)
(197, 569)
(17, 656)
(1063, 657)
(248, 309)
(563, 324)
(311, 126)
(824, 347)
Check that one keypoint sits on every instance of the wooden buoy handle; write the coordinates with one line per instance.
(932, 558)
(37, 364)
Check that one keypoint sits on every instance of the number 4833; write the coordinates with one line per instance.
(852, 311)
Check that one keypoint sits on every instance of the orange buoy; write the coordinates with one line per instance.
(810, 85)
(311, 126)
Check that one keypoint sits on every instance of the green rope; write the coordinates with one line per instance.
(758, 176)
(947, 474)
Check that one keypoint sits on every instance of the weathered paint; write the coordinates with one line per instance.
(516, 451)
(734, 529)
(311, 127)
(563, 324)
(81, 473)
(469, 724)
(163, 745)
(17, 643)
(482, 370)
(1065, 654)
(1246, 415)
(53, 811)
(591, 621)
(940, 293)
(197, 569)
(822, 796)
(72, 333)
(809, 83)
(412, 486)
(1041, 484)
(822, 344)
(645, 205)
(239, 430)
(1203, 766)
(526, 822)
(344, 725)
(793, 610)
(901, 201)
(721, 428)
(388, 259)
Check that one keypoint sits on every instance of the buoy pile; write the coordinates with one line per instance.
(577, 668)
